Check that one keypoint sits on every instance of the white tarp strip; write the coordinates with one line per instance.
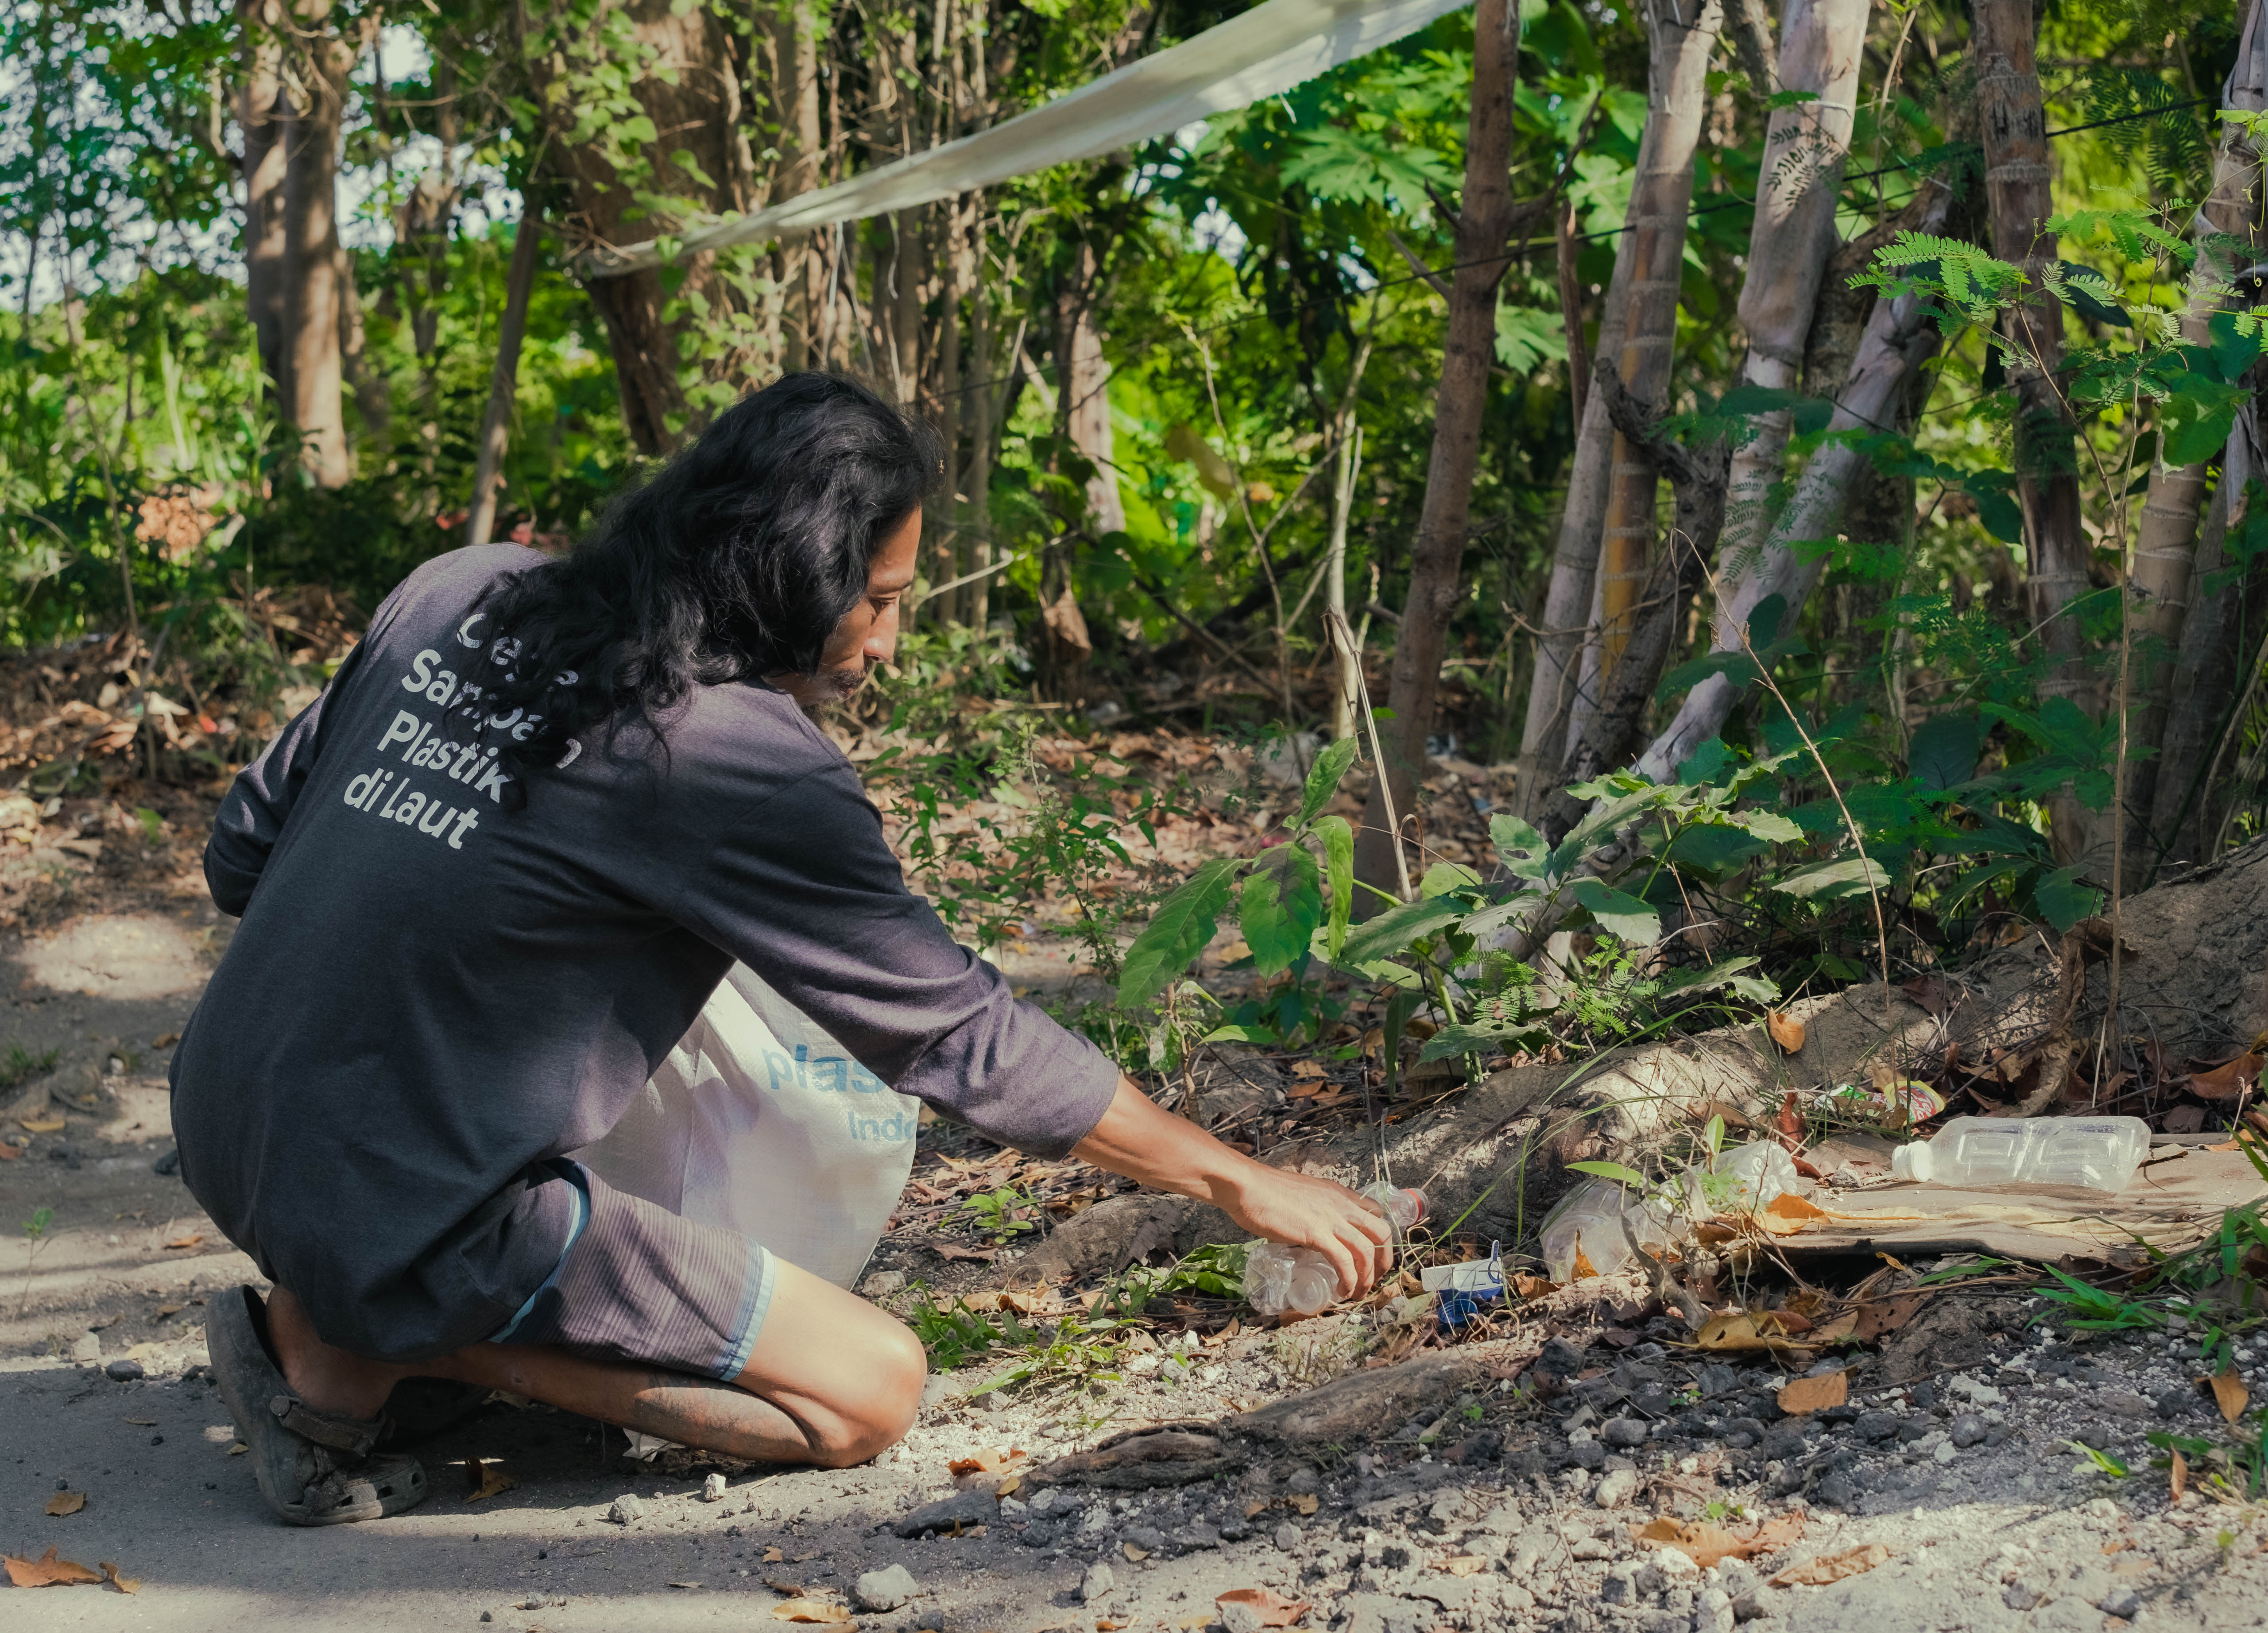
(1261, 54)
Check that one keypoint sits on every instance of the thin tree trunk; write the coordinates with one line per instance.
(1683, 36)
(495, 427)
(795, 103)
(2221, 635)
(1348, 466)
(314, 402)
(262, 115)
(2016, 184)
(373, 403)
(1899, 337)
(1570, 599)
(981, 401)
(1437, 553)
(1788, 246)
(2166, 546)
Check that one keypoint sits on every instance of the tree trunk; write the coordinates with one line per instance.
(1899, 337)
(313, 401)
(2220, 639)
(1437, 554)
(690, 89)
(2166, 547)
(2016, 184)
(795, 107)
(423, 228)
(262, 114)
(1789, 245)
(495, 427)
(1683, 36)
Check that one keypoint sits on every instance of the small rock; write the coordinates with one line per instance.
(88, 1349)
(963, 1509)
(2123, 1403)
(168, 1165)
(882, 1284)
(1586, 1454)
(2174, 1403)
(628, 1510)
(1287, 1537)
(884, 1590)
(2021, 1595)
(1616, 1489)
(1674, 1566)
(1235, 1616)
(1944, 1453)
(1763, 1599)
(2122, 1603)
(1620, 1588)
(123, 1370)
(1096, 1584)
(1838, 1490)
(936, 1390)
(1147, 1538)
(1876, 1425)
(1624, 1431)
(712, 1489)
(1560, 1358)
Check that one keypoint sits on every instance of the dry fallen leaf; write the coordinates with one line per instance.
(66, 1503)
(2223, 1082)
(986, 1462)
(1009, 1487)
(1134, 1552)
(40, 1125)
(46, 1571)
(142, 1422)
(486, 1478)
(237, 1448)
(809, 1610)
(165, 1310)
(1104, 1624)
(1832, 1567)
(1876, 1320)
(1706, 1544)
(1800, 1397)
(1788, 1205)
(785, 1590)
(1463, 1565)
(164, 1040)
(186, 1241)
(1736, 1331)
(773, 1556)
(1786, 1030)
(1304, 1503)
(2229, 1391)
(2181, 1475)
(9, 1154)
(1273, 1609)
(124, 1584)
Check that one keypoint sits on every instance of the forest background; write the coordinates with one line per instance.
(1787, 486)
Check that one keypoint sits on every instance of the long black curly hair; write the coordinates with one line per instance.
(736, 559)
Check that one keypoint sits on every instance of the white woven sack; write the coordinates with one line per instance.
(760, 1122)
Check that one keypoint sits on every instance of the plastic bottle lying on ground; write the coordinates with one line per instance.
(1597, 1220)
(1277, 1277)
(1744, 1179)
(2093, 1153)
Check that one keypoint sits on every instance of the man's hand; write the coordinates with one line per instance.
(1344, 1226)
(1170, 1153)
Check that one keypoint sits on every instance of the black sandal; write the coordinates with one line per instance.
(315, 1468)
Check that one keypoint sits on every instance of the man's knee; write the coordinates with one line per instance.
(895, 1370)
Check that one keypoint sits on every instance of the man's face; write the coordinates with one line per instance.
(868, 633)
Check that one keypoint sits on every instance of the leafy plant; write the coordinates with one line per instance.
(1002, 1214)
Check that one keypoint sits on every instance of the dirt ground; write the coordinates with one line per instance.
(1496, 1484)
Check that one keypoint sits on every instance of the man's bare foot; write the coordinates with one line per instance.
(327, 1378)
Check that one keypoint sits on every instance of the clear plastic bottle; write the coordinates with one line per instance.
(1277, 1277)
(1745, 1179)
(1589, 1220)
(2092, 1153)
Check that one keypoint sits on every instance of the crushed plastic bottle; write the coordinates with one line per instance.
(1745, 1180)
(1598, 1221)
(2091, 1153)
(1277, 1277)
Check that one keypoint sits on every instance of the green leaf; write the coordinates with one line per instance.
(1704, 764)
(1725, 974)
(1623, 916)
(1996, 505)
(2197, 418)
(1338, 867)
(1613, 1171)
(1769, 826)
(2063, 900)
(1280, 916)
(1830, 881)
(1944, 751)
(1519, 847)
(1176, 933)
(1715, 848)
(1323, 779)
(1444, 877)
(1396, 930)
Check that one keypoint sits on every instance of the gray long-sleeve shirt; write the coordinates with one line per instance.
(430, 992)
